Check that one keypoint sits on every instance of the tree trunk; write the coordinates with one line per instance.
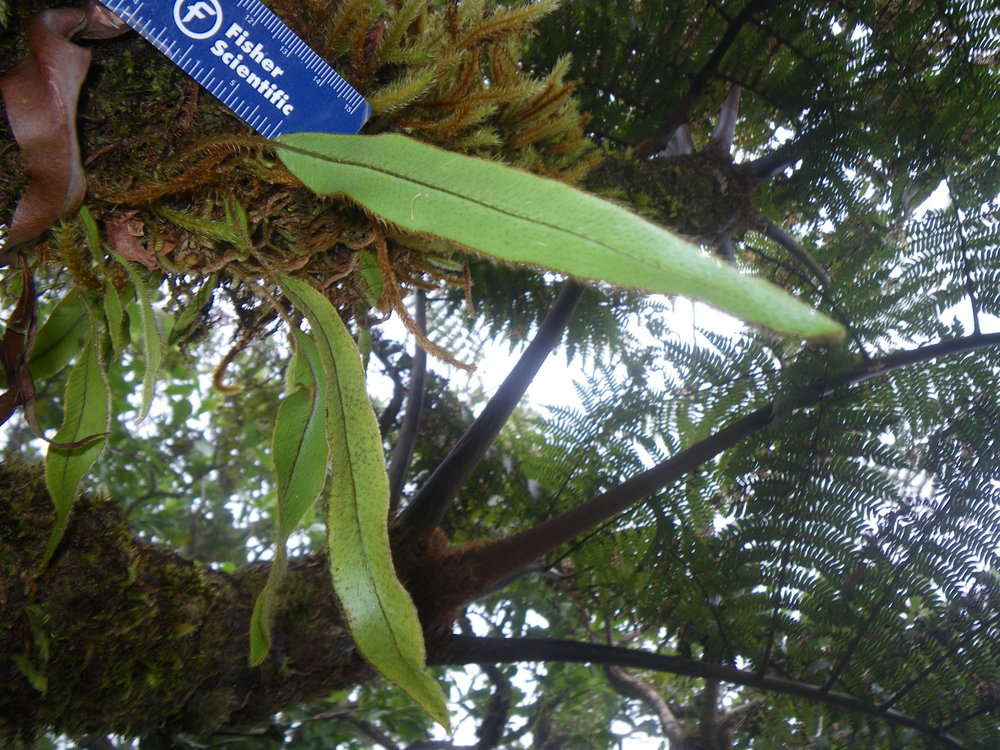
(119, 636)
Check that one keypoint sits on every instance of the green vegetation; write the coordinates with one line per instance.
(733, 541)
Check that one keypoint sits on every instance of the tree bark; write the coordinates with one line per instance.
(118, 636)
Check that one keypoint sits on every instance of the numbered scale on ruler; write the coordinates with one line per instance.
(251, 61)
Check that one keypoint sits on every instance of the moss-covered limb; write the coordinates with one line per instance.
(702, 196)
(119, 636)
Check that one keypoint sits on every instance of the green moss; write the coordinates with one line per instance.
(700, 196)
(110, 614)
(145, 134)
(444, 73)
(120, 636)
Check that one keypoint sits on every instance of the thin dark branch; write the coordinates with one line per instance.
(905, 358)
(371, 731)
(877, 611)
(388, 415)
(716, 615)
(508, 555)
(431, 502)
(731, 719)
(921, 676)
(712, 64)
(403, 451)
(475, 650)
(948, 651)
(139, 500)
(632, 686)
(783, 238)
(491, 728)
(777, 161)
(795, 273)
(701, 78)
(818, 64)
(986, 708)
(967, 268)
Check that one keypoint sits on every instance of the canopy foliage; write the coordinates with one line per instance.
(743, 541)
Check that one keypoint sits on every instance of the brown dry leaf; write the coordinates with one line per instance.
(124, 234)
(41, 94)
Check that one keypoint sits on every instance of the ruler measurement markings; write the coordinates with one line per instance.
(233, 57)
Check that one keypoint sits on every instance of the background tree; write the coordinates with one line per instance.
(752, 543)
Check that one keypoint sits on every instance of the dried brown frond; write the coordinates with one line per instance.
(545, 102)
(395, 299)
(207, 171)
(228, 144)
(470, 74)
(504, 70)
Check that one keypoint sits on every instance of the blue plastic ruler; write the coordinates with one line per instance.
(251, 61)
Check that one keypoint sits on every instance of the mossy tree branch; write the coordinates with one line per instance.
(119, 636)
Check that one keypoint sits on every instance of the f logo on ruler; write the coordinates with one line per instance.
(189, 15)
(251, 61)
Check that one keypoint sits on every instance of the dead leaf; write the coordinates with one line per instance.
(124, 233)
(41, 94)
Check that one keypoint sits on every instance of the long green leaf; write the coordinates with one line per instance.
(300, 451)
(61, 337)
(300, 447)
(87, 405)
(382, 617)
(522, 218)
(114, 313)
(152, 341)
